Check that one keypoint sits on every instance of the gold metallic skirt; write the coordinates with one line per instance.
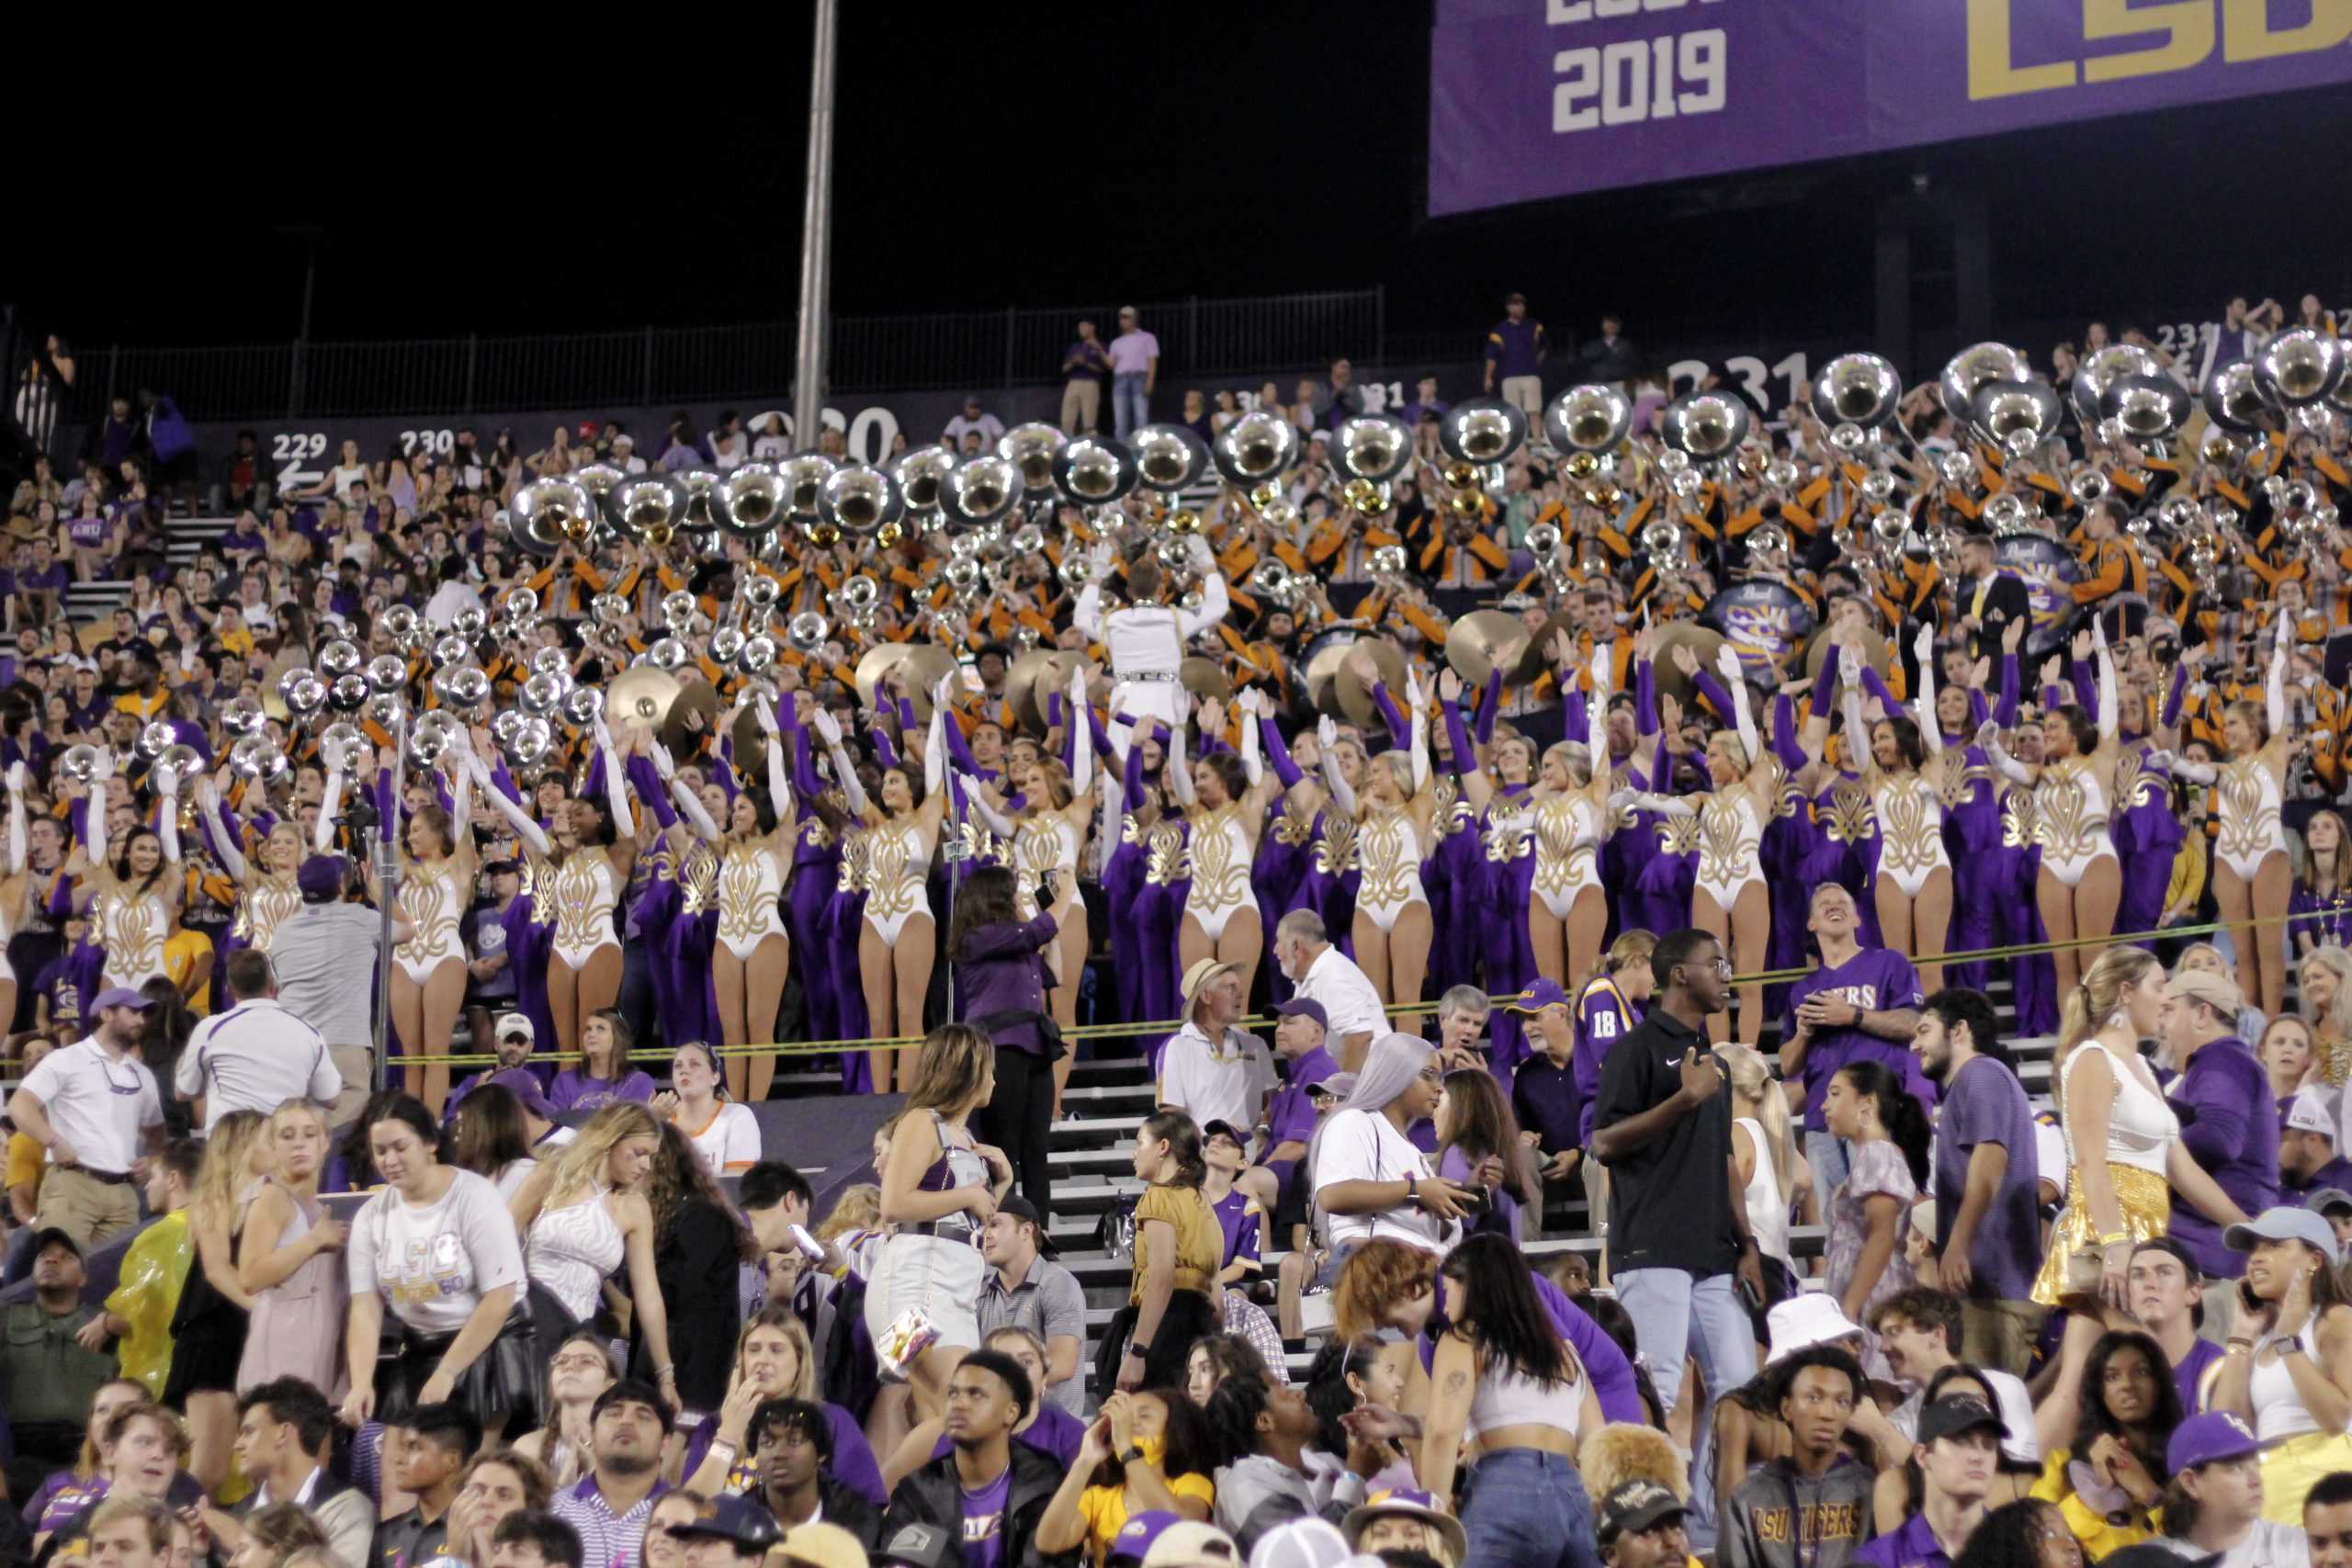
(2146, 1199)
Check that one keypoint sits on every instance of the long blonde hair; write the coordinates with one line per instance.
(2092, 1003)
(582, 1164)
(1751, 1078)
(859, 1208)
(228, 1160)
(2337, 1024)
(1630, 947)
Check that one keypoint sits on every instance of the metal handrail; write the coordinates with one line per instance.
(1019, 346)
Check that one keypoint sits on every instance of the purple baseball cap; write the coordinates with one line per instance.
(1537, 997)
(123, 997)
(1303, 1007)
(320, 878)
(2205, 1439)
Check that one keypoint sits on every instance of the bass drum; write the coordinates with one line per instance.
(2049, 569)
(1767, 622)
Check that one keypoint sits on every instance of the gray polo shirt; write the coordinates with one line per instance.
(1050, 1304)
(325, 958)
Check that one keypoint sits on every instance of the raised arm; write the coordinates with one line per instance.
(779, 767)
(526, 828)
(1924, 655)
(208, 805)
(1079, 727)
(615, 785)
(1988, 736)
(829, 730)
(997, 821)
(2274, 688)
(1419, 746)
(1727, 660)
(1178, 774)
(1327, 735)
(330, 808)
(2110, 709)
(689, 805)
(1214, 600)
(15, 863)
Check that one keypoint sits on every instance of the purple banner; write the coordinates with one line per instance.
(1531, 100)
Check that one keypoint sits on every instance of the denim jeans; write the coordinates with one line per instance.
(1674, 1316)
(1130, 408)
(1826, 1153)
(1526, 1508)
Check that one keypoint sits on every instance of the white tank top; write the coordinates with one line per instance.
(2140, 1125)
(2278, 1410)
(1511, 1398)
(1768, 1213)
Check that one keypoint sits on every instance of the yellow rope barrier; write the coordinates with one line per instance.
(1168, 1026)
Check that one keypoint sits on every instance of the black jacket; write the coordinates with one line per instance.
(933, 1496)
(837, 1505)
(2006, 600)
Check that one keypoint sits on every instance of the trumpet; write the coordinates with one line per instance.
(2090, 487)
(807, 632)
(1768, 545)
(1544, 540)
(1272, 579)
(860, 592)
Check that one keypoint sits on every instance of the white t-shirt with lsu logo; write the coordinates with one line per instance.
(433, 1263)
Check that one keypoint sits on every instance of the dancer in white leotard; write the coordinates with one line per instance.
(591, 848)
(2080, 882)
(1227, 810)
(2252, 874)
(437, 884)
(1568, 910)
(1914, 883)
(752, 954)
(269, 893)
(584, 1215)
(130, 898)
(1727, 897)
(1395, 826)
(895, 944)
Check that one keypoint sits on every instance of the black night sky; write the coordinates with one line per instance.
(1043, 154)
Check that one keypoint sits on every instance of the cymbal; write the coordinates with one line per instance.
(1704, 642)
(1350, 688)
(1537, 660)
(1482, 641)
(1206, 678)
(926, 665)
(1050, 674)
(1021, 687)
(1876, 651)
(676, 707)
(883, 658)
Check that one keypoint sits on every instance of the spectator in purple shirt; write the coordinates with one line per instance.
(1300, 1027)
(1515, 357)
(1862, 1004)
(1958, 1450)
(2226, 1119)
(1085, 367)
(1988, 1224)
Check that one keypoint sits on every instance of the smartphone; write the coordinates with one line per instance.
(809, 1244)
(1751, 1295)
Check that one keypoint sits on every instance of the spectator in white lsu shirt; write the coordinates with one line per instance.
(1210, 1069)
(256, 1056)
(1322, 973)
(95, 1107)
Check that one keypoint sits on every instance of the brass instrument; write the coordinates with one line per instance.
(1254, 450)
(1590, 419)
(1860, 389)
(1482, 431)
(1971, 368)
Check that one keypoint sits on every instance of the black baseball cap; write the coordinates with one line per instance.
(748, 1527)
(1636, 1506)
(47, 1234)
(1020, 1208)
(1949, 1417)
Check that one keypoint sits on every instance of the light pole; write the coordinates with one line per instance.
(816, 236)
